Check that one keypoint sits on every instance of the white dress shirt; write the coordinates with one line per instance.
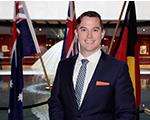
(93, 60)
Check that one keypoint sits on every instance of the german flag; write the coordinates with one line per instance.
(128, 49)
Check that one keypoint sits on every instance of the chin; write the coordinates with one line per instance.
(92, 48)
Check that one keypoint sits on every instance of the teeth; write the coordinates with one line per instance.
(89, 42)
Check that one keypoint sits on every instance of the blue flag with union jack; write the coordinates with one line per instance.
(25, 44)
(70, 47)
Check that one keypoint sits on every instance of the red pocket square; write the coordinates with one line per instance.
(101, 83)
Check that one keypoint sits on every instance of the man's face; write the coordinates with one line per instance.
(89, 34)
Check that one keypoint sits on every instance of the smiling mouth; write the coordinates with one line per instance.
(89, 42)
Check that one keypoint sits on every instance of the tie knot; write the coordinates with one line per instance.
(84, 61)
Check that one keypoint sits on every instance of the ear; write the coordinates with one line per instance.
(76, 38)
(76, 34)
(103, 34)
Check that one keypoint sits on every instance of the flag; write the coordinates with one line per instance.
(70, 43)
(25, 44)
(128, 49)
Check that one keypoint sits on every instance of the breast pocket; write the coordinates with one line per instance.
(103, 93)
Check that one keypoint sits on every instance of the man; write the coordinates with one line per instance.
(96, 88)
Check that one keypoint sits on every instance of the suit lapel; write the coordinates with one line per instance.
(97, 72)
(70, 74)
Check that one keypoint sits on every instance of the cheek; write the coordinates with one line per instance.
(82, 36)
(98, 36)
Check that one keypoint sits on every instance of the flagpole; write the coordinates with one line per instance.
(36, 43)
(44, 69)
(117, 26)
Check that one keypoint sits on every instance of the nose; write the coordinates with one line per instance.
(89, 34)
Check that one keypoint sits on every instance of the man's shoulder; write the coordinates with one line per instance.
(112, 60)
(69, 60)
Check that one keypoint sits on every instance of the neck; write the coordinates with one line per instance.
(88, 53)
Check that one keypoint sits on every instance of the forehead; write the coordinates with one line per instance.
(90, 21)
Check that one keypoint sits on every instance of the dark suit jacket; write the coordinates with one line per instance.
(113, 101)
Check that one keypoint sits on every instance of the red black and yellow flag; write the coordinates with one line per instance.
(128, 49)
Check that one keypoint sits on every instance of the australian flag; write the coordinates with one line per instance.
(70, 47)
(25, 44)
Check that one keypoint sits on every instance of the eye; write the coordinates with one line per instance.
(96, 30)
(83, 29)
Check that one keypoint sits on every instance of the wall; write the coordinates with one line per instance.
(109, 10)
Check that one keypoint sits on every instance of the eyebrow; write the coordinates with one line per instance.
(81, 27)
(93, 28)
(97, 27)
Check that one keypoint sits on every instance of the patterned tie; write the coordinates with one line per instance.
(80, 81)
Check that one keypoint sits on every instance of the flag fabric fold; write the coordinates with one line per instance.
(127, 49)
(24, 45)
(70, 43)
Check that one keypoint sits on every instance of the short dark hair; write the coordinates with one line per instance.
(89, 14)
